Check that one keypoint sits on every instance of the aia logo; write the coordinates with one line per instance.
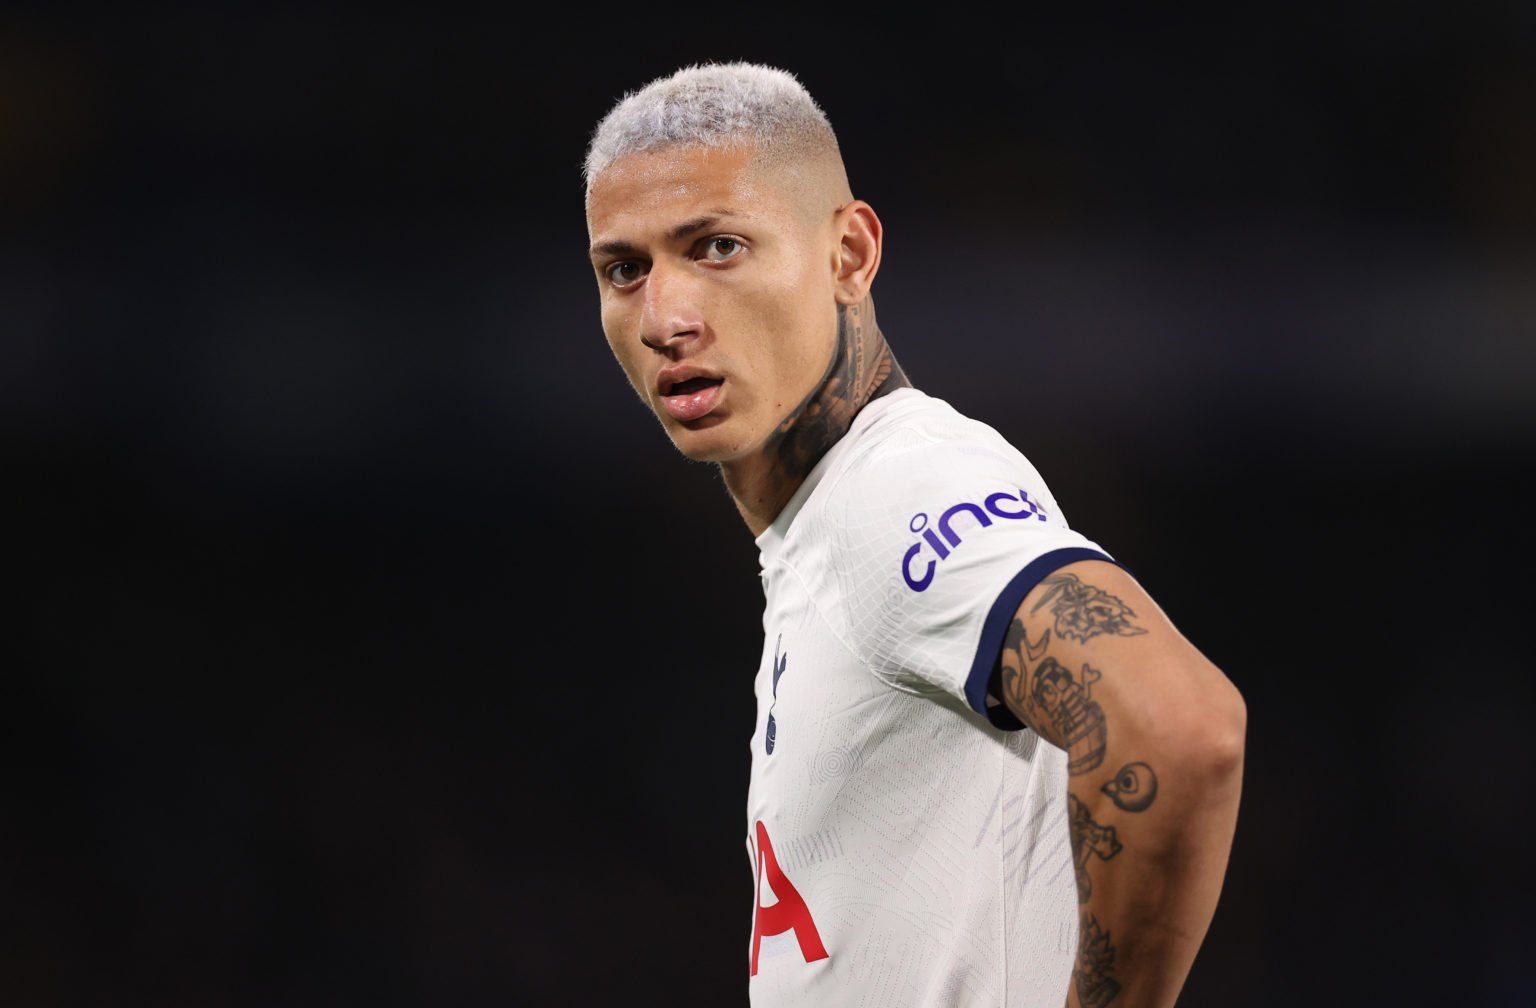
(779, 665)
(788, 912)
(1000, 505)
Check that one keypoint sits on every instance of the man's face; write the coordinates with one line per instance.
(716, 280)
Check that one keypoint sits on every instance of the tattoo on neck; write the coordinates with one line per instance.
(862, 369)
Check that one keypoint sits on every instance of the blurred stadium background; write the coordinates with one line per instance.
(373, 646)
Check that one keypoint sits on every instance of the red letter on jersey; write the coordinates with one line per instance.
(789, 914)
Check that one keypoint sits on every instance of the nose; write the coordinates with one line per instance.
(669, 313)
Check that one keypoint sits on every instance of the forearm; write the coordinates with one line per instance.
(1149, 876)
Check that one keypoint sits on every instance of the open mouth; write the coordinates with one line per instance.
(692, 399)
(691, 386)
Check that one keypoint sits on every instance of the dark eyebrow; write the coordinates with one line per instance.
(675, 233)
(612, 248)
(689, 227)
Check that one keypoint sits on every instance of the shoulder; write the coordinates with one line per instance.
(919, 448)
(919, 467)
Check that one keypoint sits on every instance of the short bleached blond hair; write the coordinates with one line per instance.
(714, 105)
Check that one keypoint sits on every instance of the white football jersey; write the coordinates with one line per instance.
(908, 842)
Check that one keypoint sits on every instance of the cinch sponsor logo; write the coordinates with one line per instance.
(1001, 504)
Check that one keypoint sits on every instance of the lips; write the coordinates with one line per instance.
(688, 393)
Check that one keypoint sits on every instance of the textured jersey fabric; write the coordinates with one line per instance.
(908, 841)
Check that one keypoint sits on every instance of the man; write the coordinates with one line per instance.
(987, 769)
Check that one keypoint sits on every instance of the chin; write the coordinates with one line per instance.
(697, 451)
(706, 442)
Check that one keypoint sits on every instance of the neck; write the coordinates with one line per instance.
(862, 369)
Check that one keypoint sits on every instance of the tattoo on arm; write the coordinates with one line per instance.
(1094, 975)
(1052, 700)
(1089, 839)
(1134, 787)
(1059, 704)
(1083, 611)
(1034, 651)
(1078, 720)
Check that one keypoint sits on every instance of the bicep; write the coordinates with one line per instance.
(1089, 653)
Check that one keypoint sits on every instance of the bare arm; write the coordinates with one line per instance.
(1154, 738)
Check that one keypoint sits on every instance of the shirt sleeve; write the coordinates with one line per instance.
(933, 556)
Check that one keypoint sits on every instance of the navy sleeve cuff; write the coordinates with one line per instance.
(1000, 616)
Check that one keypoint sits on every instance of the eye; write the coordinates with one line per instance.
(623, 273)
(719, 249)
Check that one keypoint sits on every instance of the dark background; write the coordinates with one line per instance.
(371, 645)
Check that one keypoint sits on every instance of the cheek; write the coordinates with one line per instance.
(624, 352)
(797, 329)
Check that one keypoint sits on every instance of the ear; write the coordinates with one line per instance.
(857, 256)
